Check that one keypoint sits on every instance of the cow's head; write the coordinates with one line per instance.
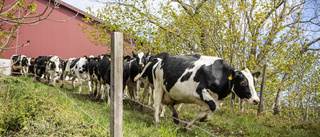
(30, 60)
(83, 62)
(243, 85)
(52, 65)
(142, 58)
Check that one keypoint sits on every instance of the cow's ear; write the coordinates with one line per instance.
(146, 55)
(134, 54)
(126, 58)
(231, 74)
(256, 75)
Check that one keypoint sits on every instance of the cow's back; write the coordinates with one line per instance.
(182, 76)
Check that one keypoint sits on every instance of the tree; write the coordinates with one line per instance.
(245, 33)
(14, 14)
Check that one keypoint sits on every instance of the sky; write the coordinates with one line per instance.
(83, 4)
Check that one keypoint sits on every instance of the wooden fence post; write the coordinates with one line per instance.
(260, 108)
(116, 104)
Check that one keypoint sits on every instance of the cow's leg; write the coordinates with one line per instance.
(63, 78)
(98, 88)
(27, 70)
(23, 70)
(48, 77)
(54, 80)
(73, 83)
(157, 101)
(90, 84)
(150, 95)
(101, 91)
(174, 114)
(179, 107)
(137, 90)
(145, 91)
(163, 110)
(80, 81)
(131, 87)
(102, 86)
(80, 85)
(211, 105)
(107, 93)
(204, 109)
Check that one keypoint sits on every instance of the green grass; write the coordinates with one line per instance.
(31, 108)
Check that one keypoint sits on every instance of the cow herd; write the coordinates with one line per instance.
(172, 80)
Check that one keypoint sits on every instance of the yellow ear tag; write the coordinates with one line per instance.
(50, 63)
(85, 57)
(45, 61)
(255, 78)
(96, 59)
(230, 77)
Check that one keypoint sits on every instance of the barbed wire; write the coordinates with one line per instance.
(81, 109)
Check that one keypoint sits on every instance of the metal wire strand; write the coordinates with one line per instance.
(125, 96)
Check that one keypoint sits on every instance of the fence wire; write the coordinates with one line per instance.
(170, 116)
(30, 74)
(125, 97)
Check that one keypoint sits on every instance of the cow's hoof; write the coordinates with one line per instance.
(186, 129)
(204, 119)
(176, 119)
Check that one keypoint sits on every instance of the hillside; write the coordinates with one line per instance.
(31, 108)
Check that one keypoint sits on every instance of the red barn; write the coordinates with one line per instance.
(64, 39)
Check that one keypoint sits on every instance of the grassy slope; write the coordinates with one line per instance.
(30, 108)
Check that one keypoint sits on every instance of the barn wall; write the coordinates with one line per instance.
(54, 38)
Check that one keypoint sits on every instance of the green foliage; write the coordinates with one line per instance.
(246, 34)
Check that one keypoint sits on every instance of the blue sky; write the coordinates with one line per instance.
(83, 4)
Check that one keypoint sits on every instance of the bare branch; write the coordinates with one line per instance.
(272, 10)
(306, 47)
(64, 20)
(314, 49)
(184, 6)
(1, 13)
(23, 45)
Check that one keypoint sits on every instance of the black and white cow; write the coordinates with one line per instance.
(32, 66)
(53, 69)
(104, 70)
(76, 68)
(94, 75)
(147, 77)
(136, 64)
(40, 64)
(20, 63)
(202, 80)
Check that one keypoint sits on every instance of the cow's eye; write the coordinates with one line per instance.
(244, 83)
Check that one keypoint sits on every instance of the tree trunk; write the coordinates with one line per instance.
(260, 108)
(277, 106)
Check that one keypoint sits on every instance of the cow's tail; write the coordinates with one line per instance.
(144, 69)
